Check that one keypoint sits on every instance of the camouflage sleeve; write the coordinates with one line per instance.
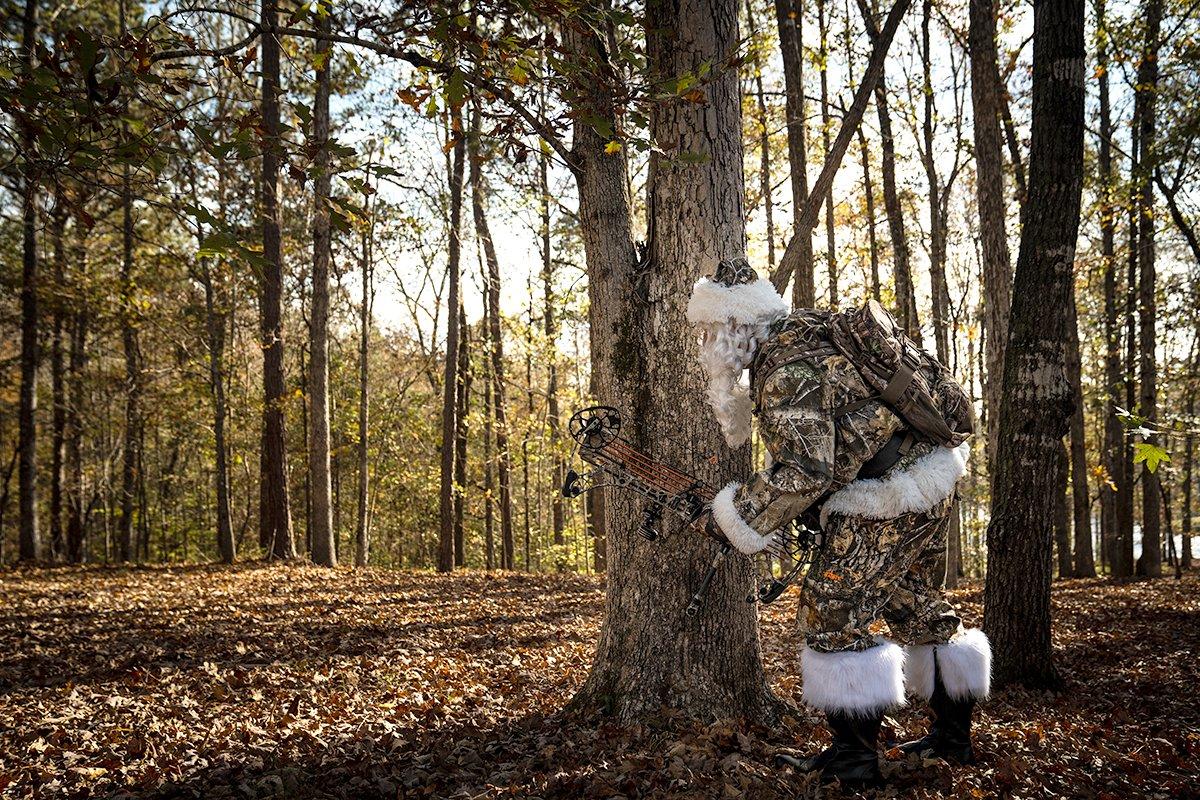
(799, 434)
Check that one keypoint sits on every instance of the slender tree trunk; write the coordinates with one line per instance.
(504, 457)
(58, 392)
(789, 16)
(76, 502)
(489, 465)
(320, 522)
(764, 141)
(1150, 562)
(462, 408)
(649, 655)
(131, 455)
(550, 327)
(1189, 458)
(1084, 565)
(906, 299)
(29, 543)
(362, 533)
(1126, 491)
(275, 516)
(831, 261)
(1037, 402)
(1062, 518)
(455, 167)
(937, 228)
(868, 185)
(989, 182)
(1114, 445)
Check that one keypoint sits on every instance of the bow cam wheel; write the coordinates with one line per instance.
(595, 427)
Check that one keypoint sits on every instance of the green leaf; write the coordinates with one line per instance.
(456, 89)
(1151, 454)
(216, 244)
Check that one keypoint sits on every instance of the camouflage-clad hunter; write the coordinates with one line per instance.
(885, 492)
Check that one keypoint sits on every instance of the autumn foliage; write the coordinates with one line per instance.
(301, 682)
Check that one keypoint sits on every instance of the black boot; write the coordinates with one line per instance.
(852, 758)
(949, 734)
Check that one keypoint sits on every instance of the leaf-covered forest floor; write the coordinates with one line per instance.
(300, 682)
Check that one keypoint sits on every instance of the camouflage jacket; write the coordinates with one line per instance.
(810, 452)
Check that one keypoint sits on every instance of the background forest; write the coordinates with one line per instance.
(166, 296)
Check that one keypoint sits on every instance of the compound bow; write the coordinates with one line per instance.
(615, 462)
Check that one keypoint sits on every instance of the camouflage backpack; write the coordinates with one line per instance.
(897, 371)
(891, 364)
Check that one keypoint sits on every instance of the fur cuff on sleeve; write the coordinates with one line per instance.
(739, 534)
(925, 483)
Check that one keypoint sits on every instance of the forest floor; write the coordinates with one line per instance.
(299, 682)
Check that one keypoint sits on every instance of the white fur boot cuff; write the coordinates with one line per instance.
(859, 683)
(965, 664)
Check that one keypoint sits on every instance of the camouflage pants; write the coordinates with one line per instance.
(872, 571)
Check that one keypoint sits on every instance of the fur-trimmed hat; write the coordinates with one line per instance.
(734, 294)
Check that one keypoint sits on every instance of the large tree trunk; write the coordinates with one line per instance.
(1114, 445)
(650, 655)
(275, 516)
(789, 16)
(455, 166)
(989, 182)
(1150, 562)
(1084, 565)
(320, 522)
(1037, 400)
(496, 342)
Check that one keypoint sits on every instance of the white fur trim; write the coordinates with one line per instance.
(739, 534)
(854, 682)
(926, 482)
(744, 303)
(965, 664)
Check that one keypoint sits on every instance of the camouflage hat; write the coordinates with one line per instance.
(734, 294)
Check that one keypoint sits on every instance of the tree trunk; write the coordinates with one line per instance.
(362, 532)
(462, 402)
(789, 16)
(29, 545)
(489, 466)
(906, 300)
(550, 327)
(76, 503)
(131, 455)
(764, 140)
(275, 517)
(1126, 490)
(1114, 444)
(1036, 404)
(937, 228)
(455, 166)
(496, 340)
(831, 261)
(1150, 562)
(1084, 565)
(320, 523)
(649, 655)
(1062, 519)
(1189, 457)
(989, 182)
(58, 392)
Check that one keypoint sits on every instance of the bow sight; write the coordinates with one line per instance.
(617, 463)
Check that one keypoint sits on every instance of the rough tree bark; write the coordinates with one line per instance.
(1150, 562)
(1037, 401)
(649, 654)
(455, 168)
(275, 516)
(989, 182)
(320, 521)
(790, 21)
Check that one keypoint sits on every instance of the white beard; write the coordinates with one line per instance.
(726, 349)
